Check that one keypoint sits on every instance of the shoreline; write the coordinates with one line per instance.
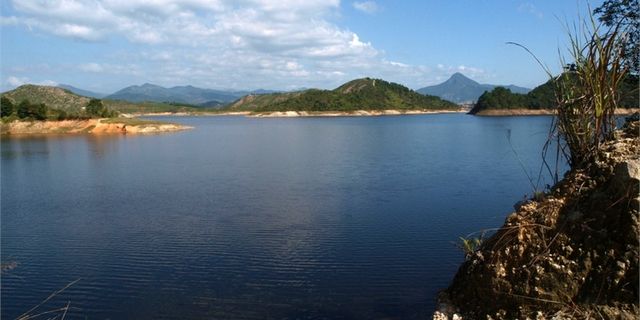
(294, 114)
(539, 112)
(356, 113)
(89, 126)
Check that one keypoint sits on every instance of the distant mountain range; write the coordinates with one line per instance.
(81, 92)
(359, 94)
(190, 95)
(460, 89)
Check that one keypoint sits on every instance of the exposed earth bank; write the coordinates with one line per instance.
(94, 126)
(570, 254)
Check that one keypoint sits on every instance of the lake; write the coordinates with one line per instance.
(245, 218)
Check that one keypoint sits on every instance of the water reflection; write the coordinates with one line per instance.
(256, 218)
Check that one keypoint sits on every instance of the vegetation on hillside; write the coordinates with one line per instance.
(624, 15)
(360, 94)
(52, 103)
(544, 96)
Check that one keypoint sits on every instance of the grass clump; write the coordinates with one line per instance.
(587, 93)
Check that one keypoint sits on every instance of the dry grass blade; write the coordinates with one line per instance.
(27, 315)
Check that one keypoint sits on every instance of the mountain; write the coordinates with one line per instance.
(82, 92)
(359, 94)
(180, 94)
(460, 89)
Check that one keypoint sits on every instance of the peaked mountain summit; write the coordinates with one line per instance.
(461, 89)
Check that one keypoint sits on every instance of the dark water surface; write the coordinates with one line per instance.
(241, 218)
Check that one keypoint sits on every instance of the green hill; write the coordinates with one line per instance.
(60, 99)
(360, 94)
(543, 97)
(53, 97)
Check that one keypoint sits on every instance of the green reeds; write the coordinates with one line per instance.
(587, 92)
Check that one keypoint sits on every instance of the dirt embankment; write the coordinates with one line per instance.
(570, 254)
(94, 126)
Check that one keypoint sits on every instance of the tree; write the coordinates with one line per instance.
(95, 108)
(624, 14)
(24, 109)
(6, 107)
(27, 110)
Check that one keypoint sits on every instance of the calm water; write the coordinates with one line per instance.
(308, 218)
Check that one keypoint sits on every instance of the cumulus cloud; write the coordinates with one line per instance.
(369, 7)
(239, 44)
(13, 81)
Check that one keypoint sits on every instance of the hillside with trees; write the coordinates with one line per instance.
(544, 97)
(359, 94)
(54, 103)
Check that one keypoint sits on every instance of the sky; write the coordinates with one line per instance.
(106, 45)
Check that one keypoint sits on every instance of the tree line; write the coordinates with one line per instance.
(544, 96)
(26, 110)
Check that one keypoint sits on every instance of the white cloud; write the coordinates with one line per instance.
(14, 81)
(531, 9)
(91, 67)
(239, 44)
(47, 83)
(369, 7)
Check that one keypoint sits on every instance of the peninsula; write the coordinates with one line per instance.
(31, 109)
(360, 97)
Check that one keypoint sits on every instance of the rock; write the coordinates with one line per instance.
(439, 316)
(574, 249)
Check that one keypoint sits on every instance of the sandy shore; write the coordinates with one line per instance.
(356, 113)
(185, 114)
(93, 126)
(291, 114)
(538, 112)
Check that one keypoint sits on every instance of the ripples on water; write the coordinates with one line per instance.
(335, 218)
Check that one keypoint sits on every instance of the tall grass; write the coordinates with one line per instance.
(587, 92)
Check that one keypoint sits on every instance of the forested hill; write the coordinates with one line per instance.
(63, 103)
(359, 94)
(543, 97)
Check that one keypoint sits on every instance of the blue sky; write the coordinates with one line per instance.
(105, 45)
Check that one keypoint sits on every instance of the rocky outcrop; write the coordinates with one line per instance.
(570, 254)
